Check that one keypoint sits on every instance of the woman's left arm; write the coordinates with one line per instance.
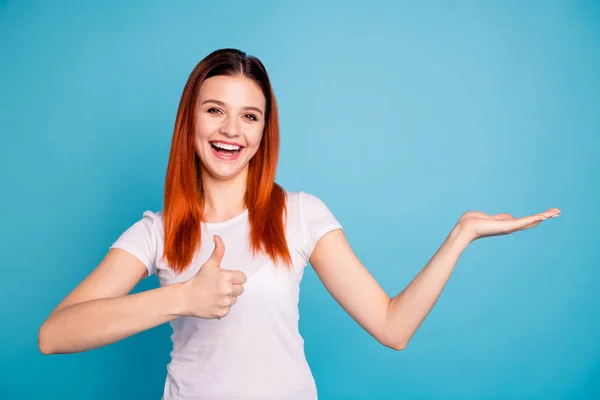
(393, 321)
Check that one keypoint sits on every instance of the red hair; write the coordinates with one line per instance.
(183, 197)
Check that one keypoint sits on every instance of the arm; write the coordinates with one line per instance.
(394, 321)
(407, 311)
(99, 310)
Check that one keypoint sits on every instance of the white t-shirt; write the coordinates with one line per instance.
(256, 351)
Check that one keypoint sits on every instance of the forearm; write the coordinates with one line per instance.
(95, 323)
(407, 310)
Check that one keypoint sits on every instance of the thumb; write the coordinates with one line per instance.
(217, 254)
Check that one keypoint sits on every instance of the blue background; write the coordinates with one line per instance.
(399, 115)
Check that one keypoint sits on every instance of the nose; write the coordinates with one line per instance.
(230, 127)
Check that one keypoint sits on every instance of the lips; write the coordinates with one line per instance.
(227, 146)
(226, 151)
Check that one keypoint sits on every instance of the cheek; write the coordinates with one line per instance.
(203, 130)
(254, 137)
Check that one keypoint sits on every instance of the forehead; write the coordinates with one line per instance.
(235, 91)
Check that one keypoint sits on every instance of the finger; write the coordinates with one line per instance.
(237, 290)
(525, 222)
(532, 220)
(217, 254)
(552, 212)
(226, 284)
(228, 301)
(531, 225)
(238, 277)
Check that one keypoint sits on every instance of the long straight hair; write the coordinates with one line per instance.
(183, 196)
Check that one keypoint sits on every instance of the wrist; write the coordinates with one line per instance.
(461, 236)
(178, 296)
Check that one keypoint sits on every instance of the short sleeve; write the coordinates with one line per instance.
(140, 241)
(317, 220)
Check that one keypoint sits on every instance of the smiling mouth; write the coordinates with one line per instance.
(226, 149)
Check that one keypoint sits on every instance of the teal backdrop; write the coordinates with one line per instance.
(399, 115)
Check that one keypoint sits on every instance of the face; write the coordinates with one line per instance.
(230, 121)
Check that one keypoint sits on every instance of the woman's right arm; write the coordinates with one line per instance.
(100, 310)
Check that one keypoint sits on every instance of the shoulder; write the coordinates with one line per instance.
(151, 221)
(143, 238)
(147, 230)
(305, 206)
(301, 200)
(312, 219)
(156, 217)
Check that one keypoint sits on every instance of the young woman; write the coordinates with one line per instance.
(230, 248)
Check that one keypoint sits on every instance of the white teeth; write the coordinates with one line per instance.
(226, 146)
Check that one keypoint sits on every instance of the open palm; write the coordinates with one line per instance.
(480, 225)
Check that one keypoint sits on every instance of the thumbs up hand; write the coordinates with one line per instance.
(212, 291)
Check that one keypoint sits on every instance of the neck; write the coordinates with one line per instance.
(223, 199)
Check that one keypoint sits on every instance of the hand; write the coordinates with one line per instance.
(212, 291)
(477, 224)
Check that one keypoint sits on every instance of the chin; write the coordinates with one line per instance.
(225, 176)
(225, 172)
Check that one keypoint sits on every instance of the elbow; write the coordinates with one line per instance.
(44, 344)
(398, 345)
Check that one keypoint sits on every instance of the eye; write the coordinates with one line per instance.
(251, 117)
(213, 110)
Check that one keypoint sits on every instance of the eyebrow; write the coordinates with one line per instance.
(223, 105)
